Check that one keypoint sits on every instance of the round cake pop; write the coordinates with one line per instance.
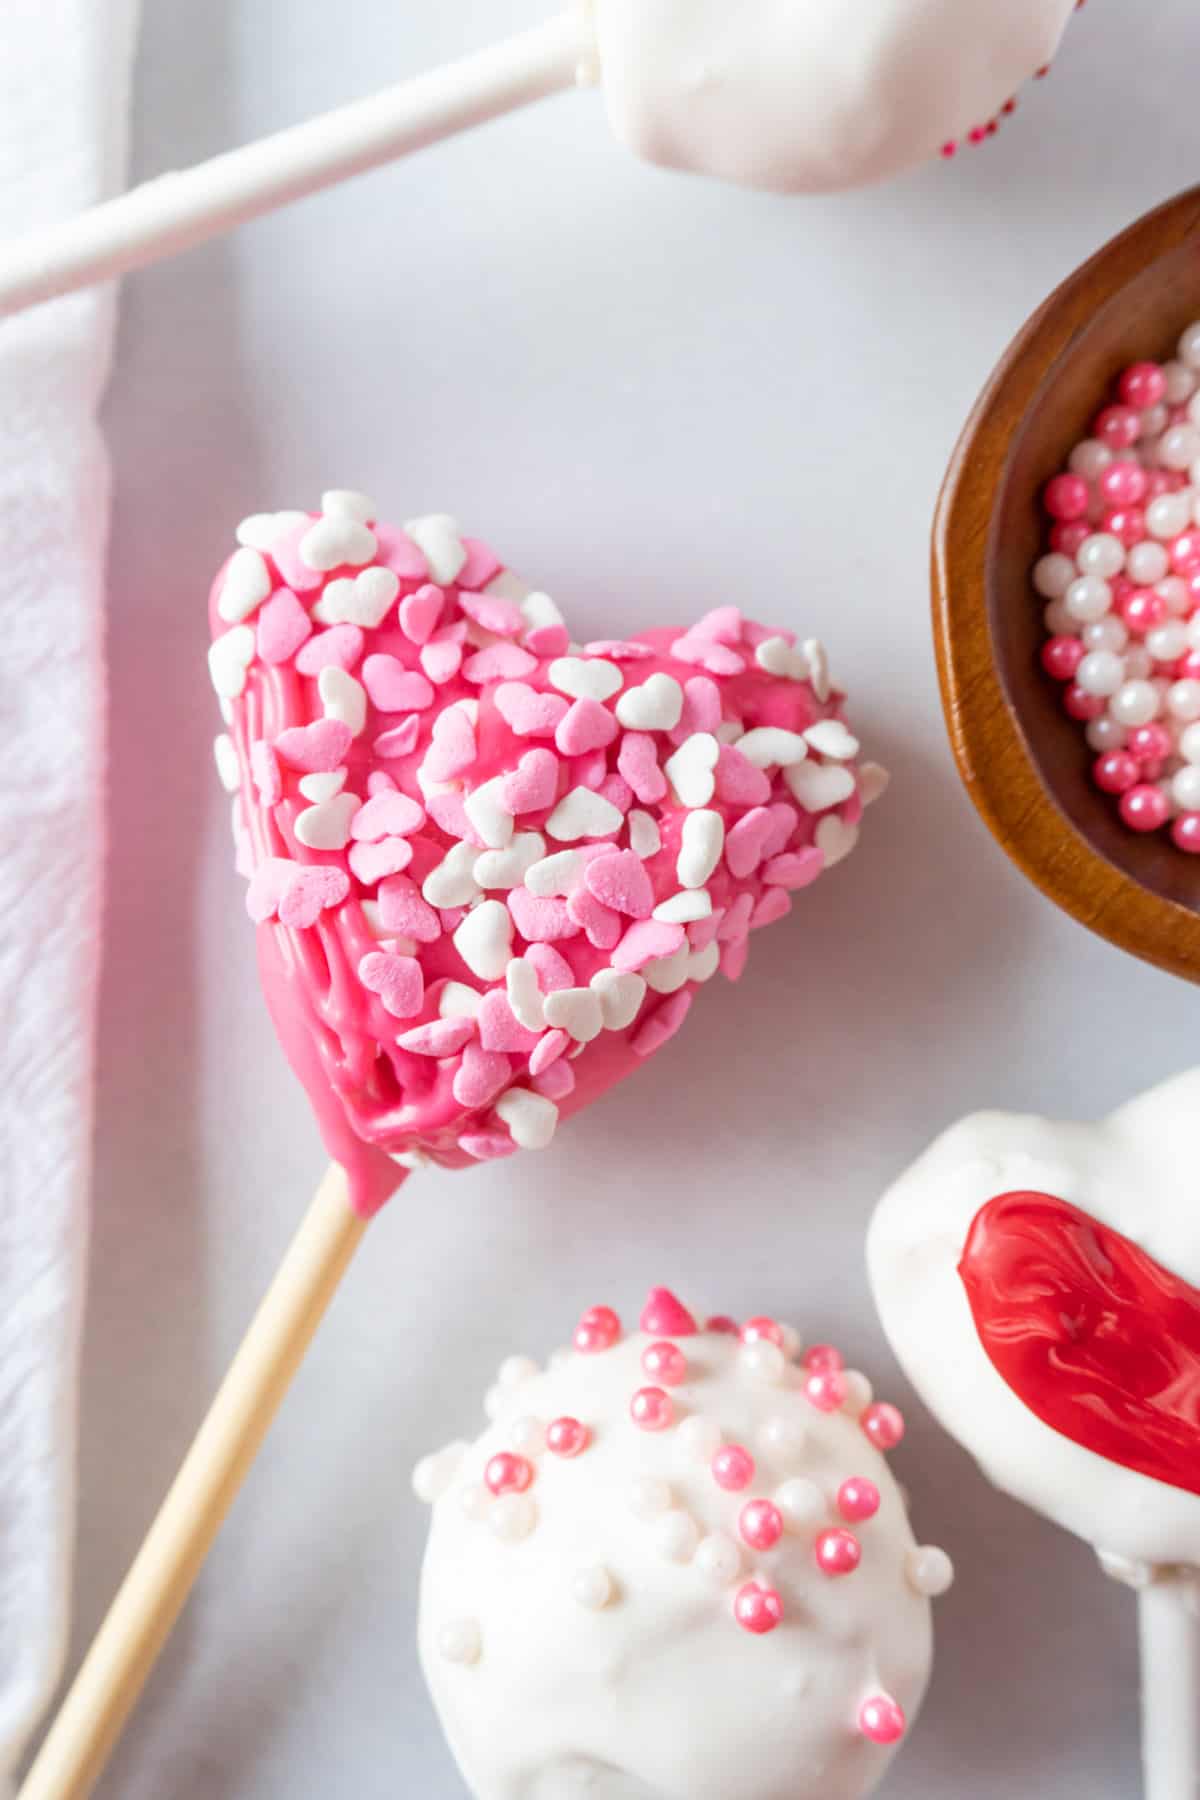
(809, 96)
(675, 1566)
(489, 866)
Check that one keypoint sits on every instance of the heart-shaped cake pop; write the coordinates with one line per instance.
(489, 867)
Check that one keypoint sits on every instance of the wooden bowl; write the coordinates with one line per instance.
(1025, 764)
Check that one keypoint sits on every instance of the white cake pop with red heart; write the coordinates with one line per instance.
(675, 1566)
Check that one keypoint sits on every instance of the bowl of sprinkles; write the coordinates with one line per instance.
(1066, 580)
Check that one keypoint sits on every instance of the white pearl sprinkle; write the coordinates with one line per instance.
(783, 1438)
(801, 1502)
(929, 1570)
(764, 1362)
(649, 1498)
(859, 1392)
(475, 1501)
(593, 1587)
(698, 1438)
(719, 1559)
(512, 1517)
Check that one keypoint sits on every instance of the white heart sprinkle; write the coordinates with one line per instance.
(436, 536)
(260, 530)
(556, 874)
(657, 705)
(226, 759)
(771, 745)
(524, 994)
(690, 770)
(531, 1118)
(683, 908)
(873, 780)
(488, 815)
(621, 994)
(539, 611)
(342, 697)
(358, 599)
(452, 882)
(836, 838)
(585, 677)
(577, 1011)
(323, 787)
(700, 846)
(245, 587)
(831, 738)
(667, 973)
(330, 542)
(484, 939)
(348, 503)
(778, 657)
(229, 656)
(582, 814)
(819, 785)
(729, 731)
(507, 868)
(327, 825)
(645, 839)
(459, 1001)
(703, 964)
(375, 925)
(818, 668)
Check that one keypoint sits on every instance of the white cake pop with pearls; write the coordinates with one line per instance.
(675, 1566)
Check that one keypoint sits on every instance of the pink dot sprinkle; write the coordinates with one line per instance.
(826, 1390)
(733, 1468)
(759, 1331)
(881, 1719)
(598, 1329)
(1143, 384)
(761, 1524)
(1061, 656)
(1078, 704)
(1066, 497)
(1115, 771)
(1185, 833)
(1123, 484)
(820, 1359)
(1117, 426)
(567, 1437)
(1144, 808)
(651, 1409)
(508, 1474)
(724, 1325)
(837, 1552)
(883, 1424)
(1143, 610)
(757, 1608)
(858, 1499)
(1149, 743)
(665, 1363)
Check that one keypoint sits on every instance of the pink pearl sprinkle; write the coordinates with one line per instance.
(883, 1424)
(1144, 808)
(508, 1474)
(1143, 610)
(1066, 497)
(820, 1359)
(882, 1719)
(1185, 832)
(838, 1552)
(598, 1329)
(757, 1608)
(1143, 384)
(651, 1409)
(1081, 705)
(722, 1323)
(1149, 743)
(826, 1390)
(759, 1331)
(665, 1363)
(567, 1437)
(1117, 426)
(1115, 771)
(1067, 536)
(761, 1524)
(1061, 656)
(858, 1499)
(1123, 484)
(733, 1468)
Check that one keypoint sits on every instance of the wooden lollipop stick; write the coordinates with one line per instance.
(184, 208)
(1169, 1633)
(152, 1595)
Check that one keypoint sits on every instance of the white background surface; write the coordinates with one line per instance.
(652, 394)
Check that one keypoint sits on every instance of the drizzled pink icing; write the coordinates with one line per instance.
(406, 696)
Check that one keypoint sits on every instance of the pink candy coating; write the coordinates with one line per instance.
(507, 1473)
(837, 1552)
(665, 1363)
(599, 1329)
(651, 1409)
(881, 1719)
(760, 1523)
(757, 1608)
(567, 1437)
(733, 1468)
(883, 1424)
(858, 1499)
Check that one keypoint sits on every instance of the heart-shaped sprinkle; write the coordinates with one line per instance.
(645, 839)
(700, 847)
(818, 786)
(586, 678)
(507, 868)
(316, 748)
(338, 648)
(586, 725)
(499, 1026)
(326, 826)
(770, 744)
(484, 940)
(577, 1011)
(373, 862)
(779, 656)
(364, 600)
(656, 705)
(388, 814)
(261, 530)
(393, 688)
(620, 881)
(421, 613)
(533, 784)
(439, 540)
(690, 770)
(831, 738)
(343, 698)
(482, 1074)
(310, 892)
(396, 979)
(685, 908)
(582, 814)
(334, 541)
(745, 843)
(638, 764)
(835, 837)
(527, 712)
(246, 585)
(229, 657)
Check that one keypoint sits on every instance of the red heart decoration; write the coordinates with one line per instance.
(1097, 1339)
(521, 845)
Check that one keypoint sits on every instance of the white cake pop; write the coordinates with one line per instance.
(814, 95)
(675, 1567)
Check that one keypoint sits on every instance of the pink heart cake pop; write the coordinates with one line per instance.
(489, 867)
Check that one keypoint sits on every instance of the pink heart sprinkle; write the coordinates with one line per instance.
(338, 648)
(617, 792)
(264, 767)
(401, 740)
(499, 662)
(380, 782)
(453, 750)
(441, 1037)
(404, 910)
(396, 551)
(318, 748)
(587, 725)
(795, 868)
(550, 1046)
(600, 923)
(447, 810)
(736, 922)
(283, 625)
(554, 972)
(733, 956)
(393, 688)
(744, 842)
(738, 782)
(658, 1027)
(638, 764)
(557, 1081)
(538, 918)
(529, 713)
(776, 903)
(548, 640)
(618, 649)
(421, 612)
(620, 881)
(267, 886)
(482, 564)
(719, 659)
(396, 979)
(388, 813)
(646, 940)
(784, 820)
(493, 613)
(723, 624)
(533, 784)
(441, 660)
(701, 707)
(285, 554)
(482, 1075)
(309, 892)
(487, 1146)
(499, 1027)
(370, 863)
(702, 932)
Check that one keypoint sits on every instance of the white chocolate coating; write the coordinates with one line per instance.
(1134, 1171)
(603, 1656)
(813, 95)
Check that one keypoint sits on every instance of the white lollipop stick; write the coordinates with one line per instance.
(1169, 1633)
(178, 210)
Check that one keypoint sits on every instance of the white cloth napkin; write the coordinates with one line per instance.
(64, 88)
